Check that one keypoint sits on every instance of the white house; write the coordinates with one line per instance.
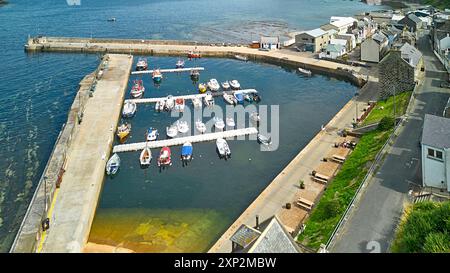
(436, 152)
(270, 42)
(444, 44)
(343, 24)
(374, 48)
(333, 51)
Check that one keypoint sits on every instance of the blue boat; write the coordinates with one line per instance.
(152, 134)
(239, 97)
(186, 152)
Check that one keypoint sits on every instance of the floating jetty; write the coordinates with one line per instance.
(189, 97)
(181, 140)
(174, 70)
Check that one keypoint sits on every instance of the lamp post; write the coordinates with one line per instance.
(356, 108)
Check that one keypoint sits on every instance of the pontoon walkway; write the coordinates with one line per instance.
(181, 140)
(187, 69)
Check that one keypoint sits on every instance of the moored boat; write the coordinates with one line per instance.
(213, 85)
(159, 106)
(138, 89)
(179, 64)
(225, 85)
(123, 131)
(305, 71)
(196, 102)
(264, 139)
(113, 164)
(235, 84)
(172, 131)
(239, 97)
(241, 57)
(223, 148)
(219, 124)
(145, 157)
(170, 103)
(195, 75)
(151, 134)
(248, 97)
(182, 126)
(193, 54)
(230, 122)
(186, 151)
(141, 64)
(229, 99)
(179, 105)
(200, 126)
(209, 99)
(256, 98)
(165, 158)
(202, 87)
(157, 76)
(129, 109)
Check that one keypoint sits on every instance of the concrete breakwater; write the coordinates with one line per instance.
(77, 164)
(181, 48)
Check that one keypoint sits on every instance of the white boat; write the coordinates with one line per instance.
(141, 64)
(200, 126)
(179, 64)
(151, 134)
(146, 157)
(170, 103)
(159, 106)
(264, 139)
(209, 100)
(172, 130)
(254, 117)
(182, 126)
(129, 109)
(230, 122)
(219, 124)
(113, 164)
(223, 148)
(213, 85)
(229, 99)
(179, 105)
(225, 85)
(235, 84)
(241, 57)
(305, 71)
(196, 102)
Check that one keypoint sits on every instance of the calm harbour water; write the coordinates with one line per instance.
(205, 197)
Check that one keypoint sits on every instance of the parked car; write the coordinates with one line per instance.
(445, 84)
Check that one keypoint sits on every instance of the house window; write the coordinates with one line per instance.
(430, 152)
(434, 154)
(439, 154)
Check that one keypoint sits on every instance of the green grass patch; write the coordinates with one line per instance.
(341, 190)
(386, 108)
(425, 228)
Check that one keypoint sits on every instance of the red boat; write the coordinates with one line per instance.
(138, 89)
(164, 157)
(194, 54)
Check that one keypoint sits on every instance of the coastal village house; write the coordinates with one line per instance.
(399, 70)
(436, 152)
(440, 33)
(314, 40)
(391, 33)
(333, 51)
(374, 48)
(343, 24)
(366, 27)
(268, 42)
(411, 22)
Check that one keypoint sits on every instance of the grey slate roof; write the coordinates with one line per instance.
(274, 239)
(379, 37)
(436, 132)
(411, 54)
(245, 235)
(413, 18)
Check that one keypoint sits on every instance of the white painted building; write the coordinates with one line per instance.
(436, 152)
(343, 24)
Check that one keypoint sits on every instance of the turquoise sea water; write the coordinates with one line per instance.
(38, 89)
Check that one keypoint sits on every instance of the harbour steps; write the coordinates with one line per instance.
(181, 140)
(174, 70)
(189, 97)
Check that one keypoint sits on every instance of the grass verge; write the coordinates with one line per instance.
(341, 190)
(386, 108)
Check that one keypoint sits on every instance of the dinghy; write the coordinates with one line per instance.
(239, 97)
(160, 105)
(113, 164)
(172, 131)
(186, 151)
(219, 124)
(164, 157)
(213, 85)
(170, 103)
(129, 109)
(197, 102)
(229, 99)
(146, 157)
(235, 84)
(182, 126)
(141, 64)
(256, 98)
(230, 122)
(151, 134)
(305, 71)
(157, 76)
(209, 100)
(138, 89)
(241, 57)
(179, 105)
(195, 75)
(202, 87)
(179, 64)
(123, 131)
(225, 85)
(223, 148)
(264, 139)
(200, 126)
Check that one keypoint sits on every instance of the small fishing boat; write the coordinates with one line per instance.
(141, 64)
(112, 19)
(241, 57)
(160, 105)
(129, 109)
(194, 54)
(123, 131)
(264, 139)
(182, 126)
(230, 122)
(164, 158)
(209, 99)
(195, 75)
(138, 89)
(229, 99)
(146, 157)
(196, 102)
(254, 117)
(186, 151)
(179, 64)
(200, 126)
(113, 164)
(248, 97)
(170, 103)
(213, 85)
(179, 105)
(256, 98)
(305, 71)
(172, 131)
(235, 84)
(157, 76)
(223, 148)
(219, 124)
(202, 87)
(225, 85)
(151, 134)
(239, 97)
